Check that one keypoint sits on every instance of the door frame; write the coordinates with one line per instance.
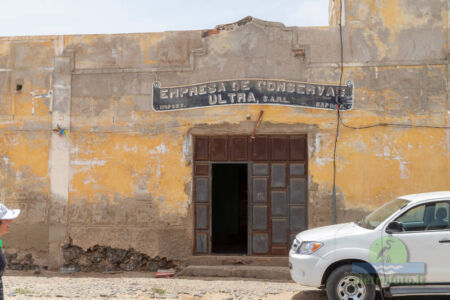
(249, 162)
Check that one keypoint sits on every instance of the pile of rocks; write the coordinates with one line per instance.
(107, 259)
(16, 262)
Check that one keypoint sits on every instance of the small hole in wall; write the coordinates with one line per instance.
(19, 88)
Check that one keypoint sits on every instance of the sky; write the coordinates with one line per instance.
(55, 17)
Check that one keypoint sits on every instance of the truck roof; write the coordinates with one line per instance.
(427, 196)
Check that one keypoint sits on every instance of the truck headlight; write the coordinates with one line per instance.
(308, 247)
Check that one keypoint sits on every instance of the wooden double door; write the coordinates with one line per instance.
(272, 171)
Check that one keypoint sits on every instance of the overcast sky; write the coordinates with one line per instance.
(49, 17)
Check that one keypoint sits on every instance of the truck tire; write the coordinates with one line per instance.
(350, 282)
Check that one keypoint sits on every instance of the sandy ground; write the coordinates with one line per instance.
(52, 285)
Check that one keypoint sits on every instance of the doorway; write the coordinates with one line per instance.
(229, 208)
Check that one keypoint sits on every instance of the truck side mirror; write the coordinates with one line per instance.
(394, 227)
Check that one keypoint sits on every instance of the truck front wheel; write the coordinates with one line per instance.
(349, 282)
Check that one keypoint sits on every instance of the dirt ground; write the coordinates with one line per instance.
(52, 285)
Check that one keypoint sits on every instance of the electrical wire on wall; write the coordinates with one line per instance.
(338, 102)
(339, 120)
(398, 125)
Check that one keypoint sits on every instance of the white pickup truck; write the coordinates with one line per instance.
(403, 247)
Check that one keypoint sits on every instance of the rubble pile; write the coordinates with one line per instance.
(16, 262)
(106, 259)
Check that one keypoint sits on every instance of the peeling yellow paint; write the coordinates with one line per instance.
(26, 153)
(378, 164)
(115, 163)
(395, 18)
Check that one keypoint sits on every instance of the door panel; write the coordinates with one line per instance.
(219, 148)
(260, 217)
(238, 148)
(279, 203)
(424, 247)
(201, 148)
(260, 223)
(280, 231)
(297, 218)
(201, 169)
(202, 189)
(279, 146)
(260, 190)
(260, 243)
(260, 149)
(202, 208)
(298, 148)
(202, 216)
(278, 175)
(297, 169)
(202, 220)
(298, 186)
(202, 195)
(298, 191)
(201, 243)
(261, 169)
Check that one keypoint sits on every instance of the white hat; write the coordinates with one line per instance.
(8, 214)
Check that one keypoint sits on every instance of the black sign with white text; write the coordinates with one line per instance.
(253, 91)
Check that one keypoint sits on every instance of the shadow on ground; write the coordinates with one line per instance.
(321, 295)
(310, 295)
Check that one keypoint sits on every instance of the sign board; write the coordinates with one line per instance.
(253, 91)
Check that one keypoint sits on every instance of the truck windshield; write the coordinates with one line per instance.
(382, 213)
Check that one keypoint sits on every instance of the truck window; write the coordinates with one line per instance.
(426, 217)
(440, 220)
(382, 213)
(413, 219)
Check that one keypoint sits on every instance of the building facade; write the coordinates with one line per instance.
(86, 154)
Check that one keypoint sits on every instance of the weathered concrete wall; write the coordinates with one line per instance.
(123, 175)
(25, 139)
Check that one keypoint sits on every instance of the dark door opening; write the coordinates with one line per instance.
(229, 208)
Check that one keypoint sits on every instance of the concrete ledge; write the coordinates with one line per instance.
(216, 260)
(256, 272)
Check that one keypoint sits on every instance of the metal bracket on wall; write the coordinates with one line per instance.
(257, 124)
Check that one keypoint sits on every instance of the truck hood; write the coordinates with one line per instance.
(332, 231)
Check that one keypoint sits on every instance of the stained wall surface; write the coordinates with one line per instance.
(122, 174)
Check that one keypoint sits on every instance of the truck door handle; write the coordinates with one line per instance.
(444, 241)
